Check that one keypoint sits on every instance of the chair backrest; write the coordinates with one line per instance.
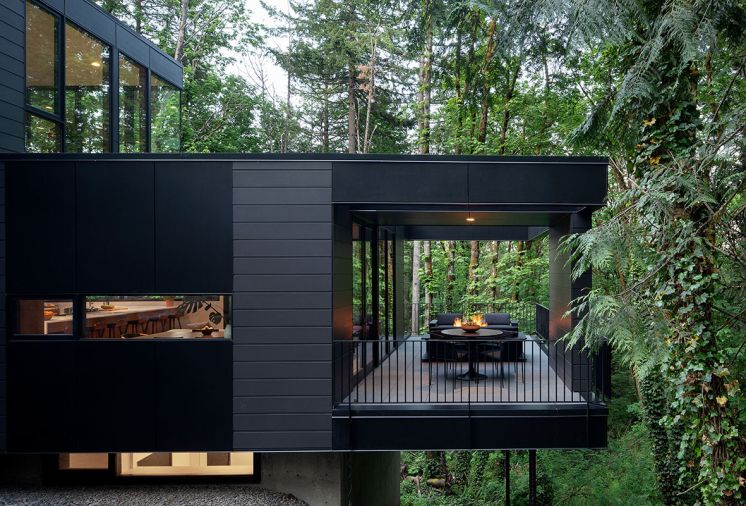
(448, 318)
(497, 318)
(441, 350)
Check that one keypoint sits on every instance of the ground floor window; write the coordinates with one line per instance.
(157, 316)
(163, 463)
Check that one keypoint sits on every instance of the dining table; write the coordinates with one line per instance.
(473, 340)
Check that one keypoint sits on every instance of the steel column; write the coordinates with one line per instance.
(532, 477)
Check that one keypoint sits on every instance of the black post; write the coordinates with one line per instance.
(507, 476)
(532, 477)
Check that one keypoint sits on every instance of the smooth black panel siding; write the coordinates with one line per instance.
(115, 222)
(120, 395)
(535, 182)
(193, 240)
(411, 182)
(12, 70)
(41, 227)
(3, 315)
(282, 305)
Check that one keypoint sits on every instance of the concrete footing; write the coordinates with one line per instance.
(345, 479)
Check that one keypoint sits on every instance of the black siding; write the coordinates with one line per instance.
(12, 76)
(3, 315)
(282, 308)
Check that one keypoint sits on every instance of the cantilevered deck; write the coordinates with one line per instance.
(393, 395)
(407, 376)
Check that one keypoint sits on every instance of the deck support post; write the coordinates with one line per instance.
(506, 454)
(532, 477)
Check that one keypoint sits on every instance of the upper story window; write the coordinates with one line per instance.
(133, 106)
(42, 80)
(42, 69)
(87, 88)
(165, 114)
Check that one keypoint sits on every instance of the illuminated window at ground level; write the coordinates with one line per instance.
(164, 463)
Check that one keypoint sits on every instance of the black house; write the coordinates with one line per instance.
(280, 324)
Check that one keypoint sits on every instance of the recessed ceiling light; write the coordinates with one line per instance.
(471, 219)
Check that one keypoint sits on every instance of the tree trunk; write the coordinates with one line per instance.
(428, 280)
(371, 86)
(494, 290)
(450, 274)
(181, 31)
(415, 328)
(485, 106)
(506, 111)
(473, 264)
(426, 85)
(351, 110)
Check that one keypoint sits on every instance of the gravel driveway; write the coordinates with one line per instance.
(172, 495)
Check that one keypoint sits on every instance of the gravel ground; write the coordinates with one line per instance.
(192, 495)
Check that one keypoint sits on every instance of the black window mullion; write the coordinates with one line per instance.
(148, 100)
(61, 82)
(114, 99)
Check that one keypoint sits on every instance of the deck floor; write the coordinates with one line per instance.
(404, 377)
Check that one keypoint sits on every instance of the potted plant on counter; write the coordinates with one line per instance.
(194, 303)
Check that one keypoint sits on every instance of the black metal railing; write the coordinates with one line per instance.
(463, 371)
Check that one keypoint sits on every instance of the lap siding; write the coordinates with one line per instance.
(282, 225)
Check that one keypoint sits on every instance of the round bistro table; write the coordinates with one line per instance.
(473, 349)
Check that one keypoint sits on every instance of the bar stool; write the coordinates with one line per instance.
(111, 330)
(95, 330)
(173, 321)
(151, 327)
(132, 327)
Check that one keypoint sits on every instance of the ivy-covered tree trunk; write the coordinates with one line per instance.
(655, 405)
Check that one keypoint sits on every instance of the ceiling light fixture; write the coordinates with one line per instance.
(470, 218)
(95, 64)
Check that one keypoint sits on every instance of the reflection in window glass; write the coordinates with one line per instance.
(157, 316)
(132, 106)
(87, 91)
(42, 65)
(39, 317)
(165, 116)
(42, 135)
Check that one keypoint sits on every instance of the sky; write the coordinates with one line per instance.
(248, 66)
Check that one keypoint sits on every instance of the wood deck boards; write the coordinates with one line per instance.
(404, 377)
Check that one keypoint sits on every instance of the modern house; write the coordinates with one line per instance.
(296, 264)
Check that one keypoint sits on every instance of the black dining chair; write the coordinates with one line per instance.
(446, 351)
(499, 353)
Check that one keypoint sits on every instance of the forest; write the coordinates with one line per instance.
(656, 85)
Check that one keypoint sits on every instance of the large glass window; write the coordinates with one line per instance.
(133, 84)
(42, 135)
(39, 317)
(87, 89)
(165, 114)
(157, 316)
(42, 60)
